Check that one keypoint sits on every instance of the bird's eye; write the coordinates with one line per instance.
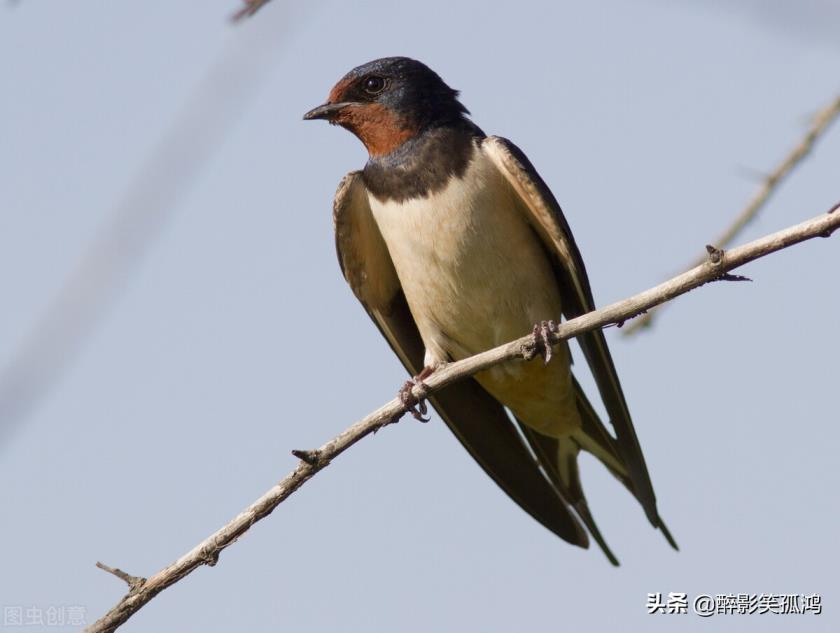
(373, 85)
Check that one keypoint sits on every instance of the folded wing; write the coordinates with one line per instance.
(547, 219)
(476, 419)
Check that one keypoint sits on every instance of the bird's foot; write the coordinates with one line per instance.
(542, 338)
(414, 405)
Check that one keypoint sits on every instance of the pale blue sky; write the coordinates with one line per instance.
(235, 339)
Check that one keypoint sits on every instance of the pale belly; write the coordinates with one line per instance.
(475, 276)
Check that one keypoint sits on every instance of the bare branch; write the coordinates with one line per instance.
(770, 184)
(715, 267)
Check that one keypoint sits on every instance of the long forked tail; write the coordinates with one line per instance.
(558, 458)
(594, 438)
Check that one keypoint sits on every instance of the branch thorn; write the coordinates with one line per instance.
(134, 582)
(715, 254)
(310, 457)
(731, 277)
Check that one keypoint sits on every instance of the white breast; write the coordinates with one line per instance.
(473, 271)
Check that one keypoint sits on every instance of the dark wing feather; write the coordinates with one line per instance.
(476, 419)
(547, 219)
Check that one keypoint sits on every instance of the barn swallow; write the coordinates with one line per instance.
(454, 244)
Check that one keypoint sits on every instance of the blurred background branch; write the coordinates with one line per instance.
(250, 8)
(821, 122)
(136, 222)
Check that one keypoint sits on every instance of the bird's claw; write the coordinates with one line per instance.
(542, 338)
(414, 405)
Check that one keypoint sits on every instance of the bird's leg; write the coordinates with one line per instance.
(542, 338)
(416, 406)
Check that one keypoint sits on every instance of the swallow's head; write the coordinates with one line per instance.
(388, 101)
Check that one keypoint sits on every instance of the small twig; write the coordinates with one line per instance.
(207, 552)
(134, 582)
(310, 457)
(770, 184)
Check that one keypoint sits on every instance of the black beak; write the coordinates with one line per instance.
(326, 111)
